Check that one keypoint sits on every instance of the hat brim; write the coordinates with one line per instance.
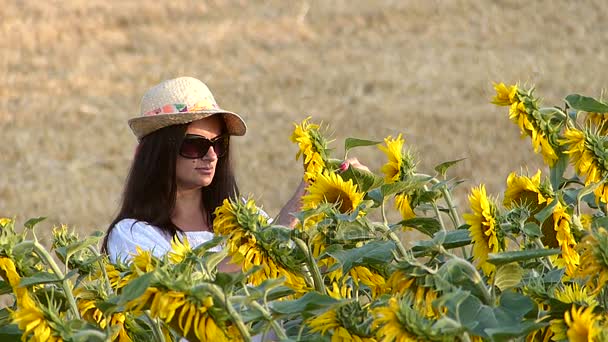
(144, 125)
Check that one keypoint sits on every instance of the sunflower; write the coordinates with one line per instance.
(313, 148)
(394, 151)
(580, 156)
(594, 259)
(90, 312)
(179, 249)
(240, 222)
(581, 324)
(523, 190)
(400, 284)
(557, 234)
(575, 294)
(598, 120)
(403, 204)
(195, 323)
(8, 271)
(117, 278)
(524, 112)
(143, 261)
(399, 322)
(505, 95)
(483, 227)
(587, 150)
(33, 321)
(344, 323)
(358, 274)
(330, 188)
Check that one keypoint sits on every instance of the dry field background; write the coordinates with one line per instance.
(72, 73)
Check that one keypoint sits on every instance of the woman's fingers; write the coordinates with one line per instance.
(354, 162)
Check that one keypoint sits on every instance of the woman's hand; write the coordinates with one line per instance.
(354, 162)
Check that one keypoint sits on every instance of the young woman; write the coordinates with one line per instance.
(181, 171)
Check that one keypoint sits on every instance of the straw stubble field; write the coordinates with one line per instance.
(72, 73)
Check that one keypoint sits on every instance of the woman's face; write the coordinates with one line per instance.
(198, 173)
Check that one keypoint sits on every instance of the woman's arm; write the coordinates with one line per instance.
(294, 205)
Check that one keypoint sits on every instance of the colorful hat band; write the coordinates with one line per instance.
(183, 108)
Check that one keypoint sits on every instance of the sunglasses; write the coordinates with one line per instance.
(196, 146)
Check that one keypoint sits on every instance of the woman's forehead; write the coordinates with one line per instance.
(209, 125)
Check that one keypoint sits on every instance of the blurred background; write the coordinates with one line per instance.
(73, 72)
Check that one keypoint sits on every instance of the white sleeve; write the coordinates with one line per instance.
(129, 234)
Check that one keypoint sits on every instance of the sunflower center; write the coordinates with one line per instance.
(341, 199)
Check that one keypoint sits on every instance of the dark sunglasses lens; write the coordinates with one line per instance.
(194, 148)
(220, 146)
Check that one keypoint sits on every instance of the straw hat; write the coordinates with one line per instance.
(179, 101)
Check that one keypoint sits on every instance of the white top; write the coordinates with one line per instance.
(129, 233)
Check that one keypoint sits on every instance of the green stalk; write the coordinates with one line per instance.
(65, 283)
(540, 245)
(216, 291)
(273, 323)
(314, 268)
(103, 270)
(396, 240)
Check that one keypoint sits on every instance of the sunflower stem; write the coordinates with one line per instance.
(273, 323)
(103, 270)
(546, 259)
(314, 268)
(236, 318)
(65, 283)
(395, 239)
(384, 220)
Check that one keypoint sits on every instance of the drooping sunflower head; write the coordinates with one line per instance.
(233, 216)
(505, 95)
(180, 247)
(580, 155)
(557, 234)
(313, 148)
(575, 294)
(347, 322)
(143, 261)
(526, 191)
(37, 321)
(598, 120)
(483, 228)
(394, 152)
(594, 259)
(329, 187)
(400, 321)
(582, 324)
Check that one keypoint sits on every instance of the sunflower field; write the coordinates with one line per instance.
(531, 267)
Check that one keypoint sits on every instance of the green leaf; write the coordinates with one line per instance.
(542, 215)
(393, 188)
(375, 252)
(136, 287)
(513, 256)
(5, 288)
(92, 240)
(508, 275)
(556, 172)
(451, 239)
(443, 167)
(532, 230)
(10, 333)
(426, 225)
(510, 332)
(311, 301)
(364, 180)
(40, 278)
(29, 224)
(586, 104)
(350, 143)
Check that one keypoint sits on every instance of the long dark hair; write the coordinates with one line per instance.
(151, 188)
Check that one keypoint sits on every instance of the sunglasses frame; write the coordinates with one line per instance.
(209, 142)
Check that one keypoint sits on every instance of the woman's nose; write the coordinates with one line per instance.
(210, 153)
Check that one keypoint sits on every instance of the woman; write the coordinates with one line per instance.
(181, 171)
